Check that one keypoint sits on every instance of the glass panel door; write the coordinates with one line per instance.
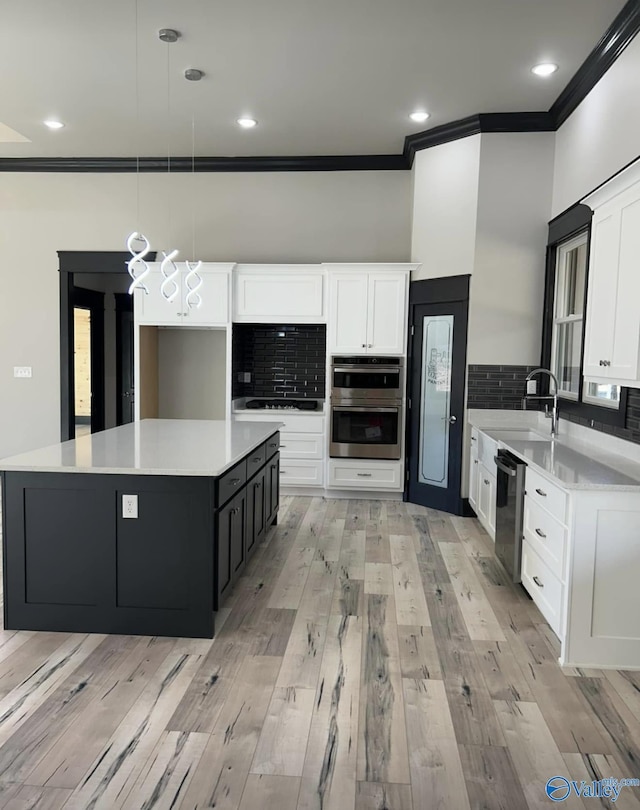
(435, 400)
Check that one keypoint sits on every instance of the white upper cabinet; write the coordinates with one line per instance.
(612, 337)
(279, 294)
(368, 308)
(205, 305)
(348, 312)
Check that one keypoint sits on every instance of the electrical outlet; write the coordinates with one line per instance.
(244, 376)
(532, 387)
(22, 371)
(129, 506)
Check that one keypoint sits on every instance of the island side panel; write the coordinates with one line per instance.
(74, 563)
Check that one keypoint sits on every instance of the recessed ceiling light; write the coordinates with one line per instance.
(247, 123)
(54, 124)
(544, 69)
(419, 116)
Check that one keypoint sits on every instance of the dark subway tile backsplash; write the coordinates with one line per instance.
(503, 387)
(285, 360)
(497, 386)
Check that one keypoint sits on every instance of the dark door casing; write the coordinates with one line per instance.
(448, 297)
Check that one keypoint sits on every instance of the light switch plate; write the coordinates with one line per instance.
(22, 371)
(129, 506)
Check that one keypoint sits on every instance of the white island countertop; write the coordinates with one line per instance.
(151, 447)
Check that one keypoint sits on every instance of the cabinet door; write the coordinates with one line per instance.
(256, 511)
(625, 357)
(474, 479)
(214, 297)
(273, 488)
(153, 308)
(238, 533)
(601, 299)
(348, 313)
(223, 574)
(387, 313)
(279, 294)
(487, 500)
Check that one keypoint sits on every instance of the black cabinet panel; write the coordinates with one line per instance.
(256, 460)
(256, 511)
(273, 444)
(223, 575)
(273, 488)
(238, 534)
(61, 565)
(153, 551)
(232, 482)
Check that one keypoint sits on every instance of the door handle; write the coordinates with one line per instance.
(538, 583)
(450, 419)
(540, 533)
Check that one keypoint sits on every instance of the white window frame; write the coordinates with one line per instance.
(561, 254)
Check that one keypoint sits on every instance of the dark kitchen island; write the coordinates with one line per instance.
(138, 530)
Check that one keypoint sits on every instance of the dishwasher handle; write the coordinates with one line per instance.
(512, 471)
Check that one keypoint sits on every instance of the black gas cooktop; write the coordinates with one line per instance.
(280, 404)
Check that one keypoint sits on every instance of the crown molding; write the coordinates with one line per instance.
(613, 42)
(474, 125)
(311, 163)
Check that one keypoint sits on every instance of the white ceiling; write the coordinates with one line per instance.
(321, 76)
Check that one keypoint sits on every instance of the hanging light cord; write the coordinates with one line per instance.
(193, 187)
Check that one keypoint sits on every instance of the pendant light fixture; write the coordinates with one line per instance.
(137, 243)
(169, 288)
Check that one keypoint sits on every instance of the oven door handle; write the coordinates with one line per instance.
(373, 369)
(364, 409)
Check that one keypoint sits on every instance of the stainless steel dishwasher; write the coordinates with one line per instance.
(509, 511)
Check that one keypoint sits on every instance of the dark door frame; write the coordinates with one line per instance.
(94, 302)
(124, 305)
(70, 262)
(446, 290)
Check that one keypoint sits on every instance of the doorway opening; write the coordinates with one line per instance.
(96, 342)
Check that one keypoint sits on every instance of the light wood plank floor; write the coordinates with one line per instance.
(373, 657)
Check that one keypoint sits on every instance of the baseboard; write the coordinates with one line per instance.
(359, 494)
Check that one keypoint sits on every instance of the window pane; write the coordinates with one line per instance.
(602, 394)
(570, 287)
(567, 359)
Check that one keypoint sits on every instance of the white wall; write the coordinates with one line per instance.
(445, 207)
(271, 217)
(602, 135)
(507, 286)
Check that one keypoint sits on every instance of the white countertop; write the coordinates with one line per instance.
(151, 447)
(570, 461)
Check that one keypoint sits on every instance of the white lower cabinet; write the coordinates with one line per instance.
(544, 587)
(302, 445)
(300, 472)
(486, 504)
(354, 474)
(474, 478)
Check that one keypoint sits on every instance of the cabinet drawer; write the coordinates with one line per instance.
(365, 475)
(545, 588)
(545, 535)
(301, 445)
(231, 482)
(301, 473)
(546, 494)
(292, 423)
(272, 445)
(255, 460)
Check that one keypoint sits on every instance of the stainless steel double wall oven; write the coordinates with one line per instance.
(366, 407)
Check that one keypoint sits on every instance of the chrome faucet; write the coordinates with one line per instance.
(553, 415)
